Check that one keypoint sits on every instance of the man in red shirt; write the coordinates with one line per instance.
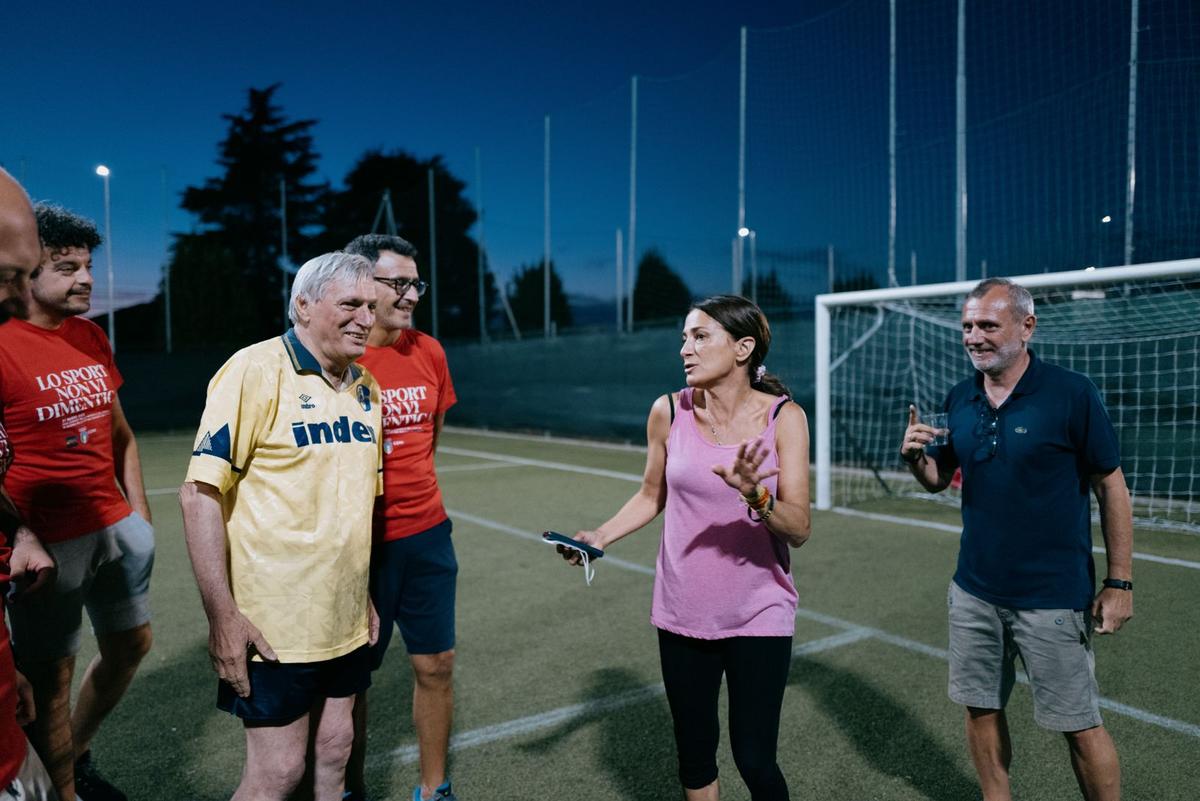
(77, 481)
(22, 558)
(413, 567)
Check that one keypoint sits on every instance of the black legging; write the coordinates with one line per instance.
(756, 670)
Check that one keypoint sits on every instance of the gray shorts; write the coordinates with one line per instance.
(108, 571)
(32, 782)
(1055, 645)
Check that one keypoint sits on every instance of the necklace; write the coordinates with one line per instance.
(716, 436)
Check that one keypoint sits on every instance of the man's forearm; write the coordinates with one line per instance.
(1116, 524)
(207, 545)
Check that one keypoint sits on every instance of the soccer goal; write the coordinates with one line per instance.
(1135, 331)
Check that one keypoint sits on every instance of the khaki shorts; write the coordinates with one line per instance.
(108, 571)
(1055, 646)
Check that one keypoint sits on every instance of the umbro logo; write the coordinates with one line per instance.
(305, 402)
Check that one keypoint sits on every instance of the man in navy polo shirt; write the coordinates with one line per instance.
(1031, 439)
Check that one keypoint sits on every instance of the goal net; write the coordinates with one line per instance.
(1135, 331)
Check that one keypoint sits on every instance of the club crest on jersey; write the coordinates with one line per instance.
(306, 402)
(364, 397)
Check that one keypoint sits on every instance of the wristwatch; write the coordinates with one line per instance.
(1117, 584)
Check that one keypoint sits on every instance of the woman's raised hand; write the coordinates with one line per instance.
(746, 471)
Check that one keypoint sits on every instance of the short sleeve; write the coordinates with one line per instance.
(446, 396)
(1093, 435)
(235, 417)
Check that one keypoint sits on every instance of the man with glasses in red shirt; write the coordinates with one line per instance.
(413, 566)
(1031, 439)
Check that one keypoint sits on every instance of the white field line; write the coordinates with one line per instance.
(583, 443)
(563, 714)
(950, 529)
(854, 632)
(897, 520)
(563, 466)
(459, 468)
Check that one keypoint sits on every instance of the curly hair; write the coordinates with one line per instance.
(60, 229)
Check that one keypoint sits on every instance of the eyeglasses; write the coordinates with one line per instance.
(400, 285)
(987, 427)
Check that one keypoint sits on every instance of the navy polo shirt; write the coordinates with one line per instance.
(1027, 541)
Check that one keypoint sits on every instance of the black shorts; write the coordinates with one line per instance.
(282, 692)
(413, 582)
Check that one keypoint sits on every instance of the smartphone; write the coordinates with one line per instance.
(562, 539)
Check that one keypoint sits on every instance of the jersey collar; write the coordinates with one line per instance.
(304, 362)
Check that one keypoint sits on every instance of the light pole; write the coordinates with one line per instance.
(745, 233)
(1104, 221)
(104, 172)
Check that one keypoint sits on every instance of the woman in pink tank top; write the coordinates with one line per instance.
(727, 460)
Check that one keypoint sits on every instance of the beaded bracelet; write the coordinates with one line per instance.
(763, 514)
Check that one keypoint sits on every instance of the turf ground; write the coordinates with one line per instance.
(558, 692)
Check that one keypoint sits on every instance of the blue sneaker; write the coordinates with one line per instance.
(442, 793)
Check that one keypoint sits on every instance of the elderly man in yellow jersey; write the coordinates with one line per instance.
(277, 514)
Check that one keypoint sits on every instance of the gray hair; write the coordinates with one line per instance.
(1018, 296)
(318, 273)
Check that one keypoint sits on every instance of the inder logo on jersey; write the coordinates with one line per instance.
(341, 430)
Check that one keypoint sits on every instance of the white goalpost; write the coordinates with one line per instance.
(1134, 330)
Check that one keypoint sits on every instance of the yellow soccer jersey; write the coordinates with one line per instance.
(298, 464)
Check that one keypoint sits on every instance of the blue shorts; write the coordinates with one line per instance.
(107, 571)
(281, 692)
(413, 582)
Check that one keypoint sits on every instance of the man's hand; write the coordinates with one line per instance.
(32, 567)
(1111, 609)
(229, 639)
(372, 622)
(26, 711)
(916, 437)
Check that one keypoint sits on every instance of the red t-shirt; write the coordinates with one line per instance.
(57, 390)
(414, 382)
(12, 739)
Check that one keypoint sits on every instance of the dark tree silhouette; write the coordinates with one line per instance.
(527, 298)
(658, 293)
(771, 297)
(240, 213)
(351, 211)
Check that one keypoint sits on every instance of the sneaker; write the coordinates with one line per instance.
(90, 785)
(442, 793)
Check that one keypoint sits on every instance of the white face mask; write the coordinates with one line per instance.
(589, 572)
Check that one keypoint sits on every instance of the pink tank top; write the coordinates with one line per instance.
(719, 573)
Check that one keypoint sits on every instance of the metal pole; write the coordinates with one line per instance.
(620, 287)
(166, 264)
(891, 255)
(912, 266)
(546, 233)
(741, 219)
(112, 311)
(479, 247)
(960, 213)
(1131, 131)
(824, 449)
(830, 260)
(283, 249)
(631, 262)
(433, 271)
(754, 267)
(983, 269)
